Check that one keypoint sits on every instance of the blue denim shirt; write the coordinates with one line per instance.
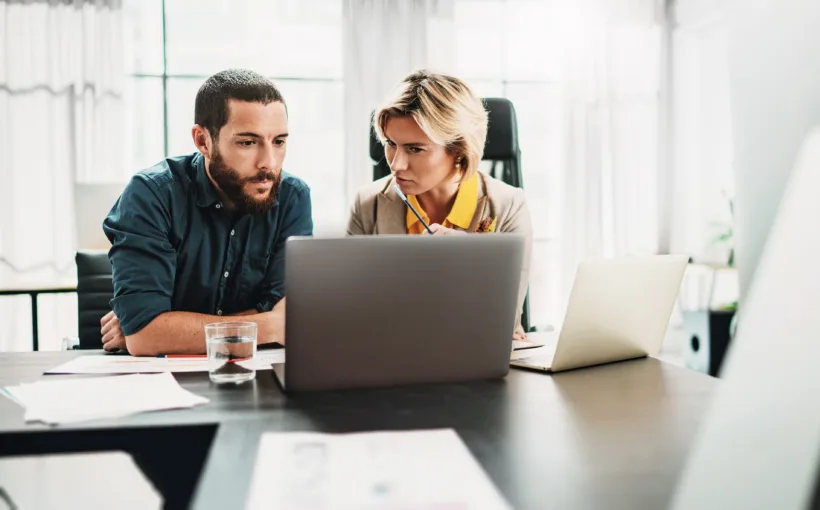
(175, 247)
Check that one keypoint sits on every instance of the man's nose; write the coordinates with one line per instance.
(268, 159)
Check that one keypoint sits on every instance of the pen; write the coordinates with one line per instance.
(404, 199)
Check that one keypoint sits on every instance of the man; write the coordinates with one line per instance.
(200, 238)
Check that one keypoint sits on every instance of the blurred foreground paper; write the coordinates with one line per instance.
(417, 470)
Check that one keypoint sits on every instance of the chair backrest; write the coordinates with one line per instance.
(502, 141)
(380, 166)
(94, 292)
(501, 148)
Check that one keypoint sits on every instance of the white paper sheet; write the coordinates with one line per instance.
(416, 470)
(73, 400)
(119, 364)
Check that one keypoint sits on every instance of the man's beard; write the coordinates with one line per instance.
(233, 186)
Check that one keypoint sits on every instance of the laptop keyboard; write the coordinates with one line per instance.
(543, 359)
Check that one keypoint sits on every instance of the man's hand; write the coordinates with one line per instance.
(443, 231)
(271, 325)
(519, 334)
(112, 337)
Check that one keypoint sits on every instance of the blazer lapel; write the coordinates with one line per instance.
(481, 207)
(391, 213)
(479, 214)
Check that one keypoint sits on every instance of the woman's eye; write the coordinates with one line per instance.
(415, 150)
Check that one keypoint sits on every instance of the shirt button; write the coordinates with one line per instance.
(219, 312)
(226, 274)
(233, 232)
(218, 206)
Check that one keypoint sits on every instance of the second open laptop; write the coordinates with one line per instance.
(372, 311)
(619, 309)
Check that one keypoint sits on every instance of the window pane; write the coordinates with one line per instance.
(144, 125)
(479, 39)
(315, 144)
(487, 88)
(142, 34)
(532, 40)
(316, 147)
(545, 295)
(181, 97)
(539, 112)
(290, 38)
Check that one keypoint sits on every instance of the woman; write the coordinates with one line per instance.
(433, 129)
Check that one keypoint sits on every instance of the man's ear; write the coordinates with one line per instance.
(202, 140)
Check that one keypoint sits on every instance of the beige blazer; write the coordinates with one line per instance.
(378, 209)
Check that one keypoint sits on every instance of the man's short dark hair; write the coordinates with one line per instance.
(211, 108)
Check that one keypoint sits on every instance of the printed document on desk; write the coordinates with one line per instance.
(117, 364)
(56, 401)
(430, 469)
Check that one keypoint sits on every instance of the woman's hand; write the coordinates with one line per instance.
(519, 334)
(443, 231)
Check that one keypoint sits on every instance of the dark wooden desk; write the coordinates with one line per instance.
(614, 436)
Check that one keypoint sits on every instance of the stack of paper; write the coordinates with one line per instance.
(119, 364)
(74, 400)
(385, 470)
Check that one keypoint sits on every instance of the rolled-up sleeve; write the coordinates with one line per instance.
(142, 257)
(297, 220)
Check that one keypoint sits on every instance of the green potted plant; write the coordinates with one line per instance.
(709, 326)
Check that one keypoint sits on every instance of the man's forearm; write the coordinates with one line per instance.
(179, 333)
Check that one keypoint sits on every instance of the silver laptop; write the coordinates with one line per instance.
(374, 311)
(618, 309)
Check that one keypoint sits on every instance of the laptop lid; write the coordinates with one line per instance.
(387, 310)
(618, 309)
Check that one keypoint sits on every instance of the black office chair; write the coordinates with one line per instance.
(94, 292)
(501, 148)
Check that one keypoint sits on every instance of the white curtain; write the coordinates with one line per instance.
(611, 174)
(702, 141)
(385, 40)
(61, 81)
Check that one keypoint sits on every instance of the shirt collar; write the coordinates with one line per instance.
(461, 215)
(206, 193)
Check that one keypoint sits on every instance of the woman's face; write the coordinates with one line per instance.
(418, 164)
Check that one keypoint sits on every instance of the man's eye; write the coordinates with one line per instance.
(246, 143)
(279, 143)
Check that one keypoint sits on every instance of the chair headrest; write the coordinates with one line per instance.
(502, 129)
(90, 262)
(502, 132)
(376, 148)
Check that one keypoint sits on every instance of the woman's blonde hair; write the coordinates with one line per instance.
(448, 112)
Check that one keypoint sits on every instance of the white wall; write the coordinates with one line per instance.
(774, 68)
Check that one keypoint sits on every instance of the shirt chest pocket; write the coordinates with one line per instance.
(253, 274)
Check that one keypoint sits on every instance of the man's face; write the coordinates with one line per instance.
(247, 156)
